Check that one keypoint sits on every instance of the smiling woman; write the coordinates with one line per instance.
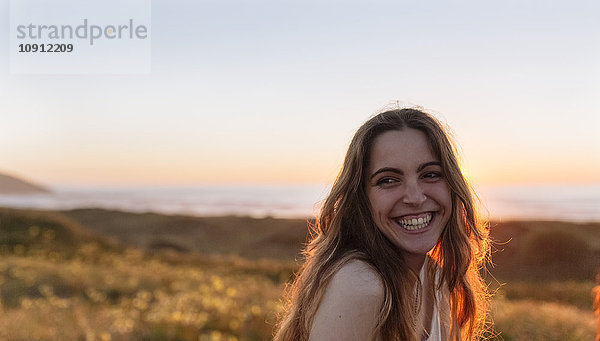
(398, 246)
(410, 201)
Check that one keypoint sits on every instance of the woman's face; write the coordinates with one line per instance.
(409, 197)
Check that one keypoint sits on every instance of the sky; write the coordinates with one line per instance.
(271, 92)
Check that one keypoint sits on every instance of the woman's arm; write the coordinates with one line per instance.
(350, 305)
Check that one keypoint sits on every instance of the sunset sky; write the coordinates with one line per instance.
(245, 92)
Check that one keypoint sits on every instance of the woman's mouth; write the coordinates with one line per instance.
(415, 222)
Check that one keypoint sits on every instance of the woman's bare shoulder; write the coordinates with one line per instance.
(358, 277)
(351, 303)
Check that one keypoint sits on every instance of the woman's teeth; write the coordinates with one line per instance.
(413, 224)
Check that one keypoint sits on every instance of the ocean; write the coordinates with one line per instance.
(564, 203)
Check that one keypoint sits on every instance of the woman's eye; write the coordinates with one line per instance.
(385, 181)
(432, 175)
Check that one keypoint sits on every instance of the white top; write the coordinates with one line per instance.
(435, 333)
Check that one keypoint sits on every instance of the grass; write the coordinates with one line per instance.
(59, 281)
(538, 320)
(132, 296)
(570, 292)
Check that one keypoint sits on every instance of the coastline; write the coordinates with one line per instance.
(571, 203)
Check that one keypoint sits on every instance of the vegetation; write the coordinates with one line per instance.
(105, 275)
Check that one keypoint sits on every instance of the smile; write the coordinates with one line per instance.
(415, 223)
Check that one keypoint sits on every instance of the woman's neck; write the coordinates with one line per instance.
(415, 261)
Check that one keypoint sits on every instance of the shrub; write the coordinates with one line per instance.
(555, 255)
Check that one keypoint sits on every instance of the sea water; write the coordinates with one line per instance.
(565, 203)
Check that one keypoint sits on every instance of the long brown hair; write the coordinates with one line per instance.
(345, 230)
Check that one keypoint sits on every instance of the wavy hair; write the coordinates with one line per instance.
(345, 230)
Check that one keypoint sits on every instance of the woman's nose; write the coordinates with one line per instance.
(413, 194)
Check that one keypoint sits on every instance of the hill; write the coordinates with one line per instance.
(521, 249)
(45, 230)
(13, 185)
(247, 237)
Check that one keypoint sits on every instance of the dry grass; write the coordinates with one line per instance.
(569, 292)
(536, 320)
(132, 297)
(98, 295)
(58, 282)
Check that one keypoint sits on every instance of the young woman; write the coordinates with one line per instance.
(397, 250)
